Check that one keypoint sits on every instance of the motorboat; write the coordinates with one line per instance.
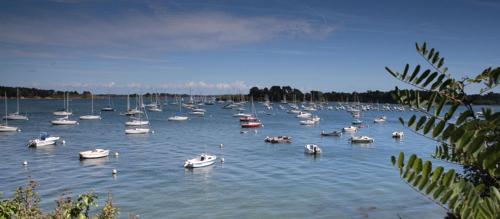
(308, 122)
(16, 115)
(397, 134)
(361, 139)
(303, 115)
(350, 129)
(97, 153)
(197, 113)
(178, 118)
(64, 121)
(278, 139)
(201, 161)
(332, 133)
(137, 130)
(357, 122)
(312, 149)
(381, 119)
(199, 110)
(44, 140)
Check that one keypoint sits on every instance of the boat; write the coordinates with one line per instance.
(6, 127)
(312, 149)
(91, 116)
(308, 122)
(16, 115)
(303, 115)
(252, 124)
(178, 117)
(130, 111)
(109, 107)
(242, 114)
(64, 121)
(361, 139)
(397, 134)
(137, 130)
(381, 119)
(65, 111)
(198, 113)
(332, 133)
(357, 122)
(350, 129)
(136, 122)
(278, 139)
(201, 161)
(97, 153)
(248, 119)
(44, 140)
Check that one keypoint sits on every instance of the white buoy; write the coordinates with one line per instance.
(116, 154)
(114, 171)
(152, 132)
(63, 141)
(222, 160)
(25, 163)
(221, 145)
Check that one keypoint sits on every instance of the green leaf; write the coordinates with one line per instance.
(427, 169)
(475, 144)
(431, 101)
(442, 102)
(446, 196)
(441, 62)
(420, 122)
(391, 72)
(430, 188)
(437, 174)
(401, 121)
(423, 76)
(429, 125)
(438, 192)
(412, 120)
(437, 130)
(445, 84)
(438, 81)
(417, 166)
(401, 160)
(448, 178)
(431, 53)
(415, 72)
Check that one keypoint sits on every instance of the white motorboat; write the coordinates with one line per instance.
(315, 119)
(201, 161)
(64, 121)
(178, 118)
(16, 115)
(97, 153)
(397, 134)
(312, 149)
(44, 140)
(350, 129)
(361, 139)
(308, 122)
(197, 113)
(357, 122)
(303, 115)
(91, 116)
(137, 131)
(6, 127)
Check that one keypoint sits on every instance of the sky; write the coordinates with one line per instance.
(216, 47)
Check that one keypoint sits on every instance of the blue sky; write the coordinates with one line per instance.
(214, 47)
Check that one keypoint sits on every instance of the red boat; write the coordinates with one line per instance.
(248, 119)
(251, 125)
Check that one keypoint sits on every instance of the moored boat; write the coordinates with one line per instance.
(201, 161)
(350, 129)
(137, 130)
(64, 121)
(278, 139)
(397, 134)
(97, 153)
(361, 139)
(312, 149)
(332, 133)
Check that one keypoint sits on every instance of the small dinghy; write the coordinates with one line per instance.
(97, 153)
(332, 133)
(350, 129)
(308, 122)
(312, 149)
(278, 139)
(361, 139)
(201, 161)
(397, 134)
(357, 122)
(255, 124)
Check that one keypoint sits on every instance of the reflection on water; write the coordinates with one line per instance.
(94, 162)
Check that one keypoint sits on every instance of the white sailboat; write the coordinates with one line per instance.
(178, 117)
(16, 115)
(65, 111)
(109, 107)
(140, 126)
(91, 116)
(6, 127)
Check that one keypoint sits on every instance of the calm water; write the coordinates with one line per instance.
(257, 180)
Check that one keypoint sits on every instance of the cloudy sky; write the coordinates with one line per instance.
(229, 46)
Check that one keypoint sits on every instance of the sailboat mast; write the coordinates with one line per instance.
(92, 99)
(17, 100)
(6, 120)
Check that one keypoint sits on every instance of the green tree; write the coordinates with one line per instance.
(470, 140)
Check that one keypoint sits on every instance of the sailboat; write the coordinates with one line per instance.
(155, 106)
(6, 127)
(142, 127)
(65, 111)
(109, 107)
(131, 112)
(178, 117)
(16, 115)
(91, 116)
(252, 124)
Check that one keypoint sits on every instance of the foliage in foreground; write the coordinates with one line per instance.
(25, 204)
(465, 138)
